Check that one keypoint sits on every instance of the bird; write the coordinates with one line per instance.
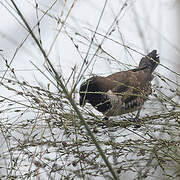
(122, 92)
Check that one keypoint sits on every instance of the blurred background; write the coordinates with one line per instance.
(140, 25)
(81, 38)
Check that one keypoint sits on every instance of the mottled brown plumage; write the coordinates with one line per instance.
(121, 92)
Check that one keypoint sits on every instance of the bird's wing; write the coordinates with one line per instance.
(133, 88)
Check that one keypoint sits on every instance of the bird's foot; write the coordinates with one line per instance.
(105, 118)
(136, 122)
(107, 122)
(104, 122)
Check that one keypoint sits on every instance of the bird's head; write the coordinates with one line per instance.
(150, 61)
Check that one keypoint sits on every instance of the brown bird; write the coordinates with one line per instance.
(121, 92)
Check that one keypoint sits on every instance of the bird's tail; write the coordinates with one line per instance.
(150, 61)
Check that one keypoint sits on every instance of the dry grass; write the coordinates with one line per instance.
(42, 128)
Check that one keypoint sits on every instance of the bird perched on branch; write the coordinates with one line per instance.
(121, 92)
